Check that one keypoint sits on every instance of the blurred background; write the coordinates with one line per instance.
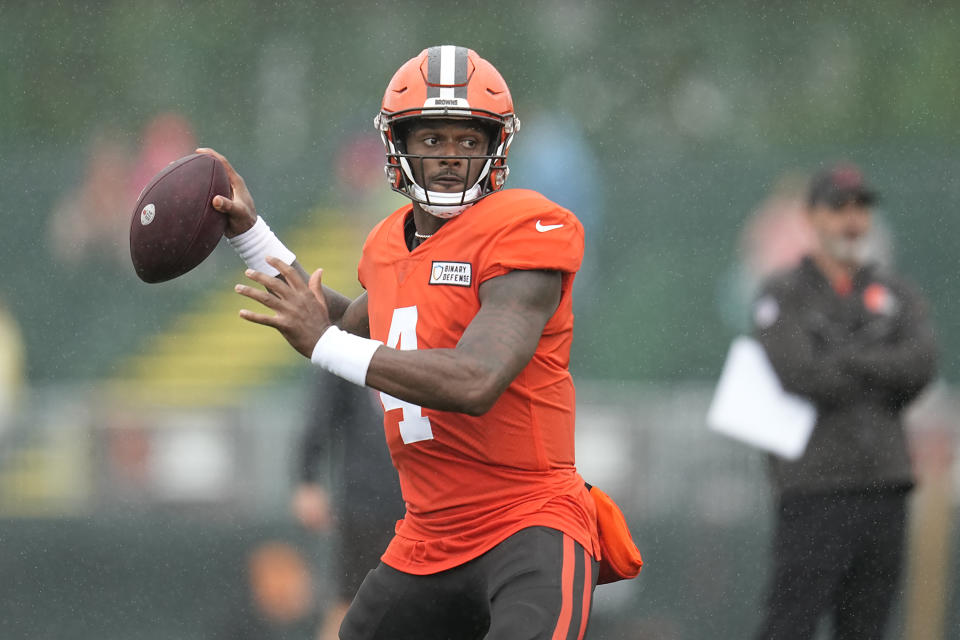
(148, 439)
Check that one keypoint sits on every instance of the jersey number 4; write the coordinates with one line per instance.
(414, 426)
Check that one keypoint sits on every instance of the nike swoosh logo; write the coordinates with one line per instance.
(547, 227)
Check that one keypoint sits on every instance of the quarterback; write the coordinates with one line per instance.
(465, 328)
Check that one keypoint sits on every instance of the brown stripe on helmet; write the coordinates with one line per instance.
(435, 59)
(460, 73)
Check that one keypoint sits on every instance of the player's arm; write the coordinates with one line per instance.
(494, 348)
(241, 215)
(355, 318)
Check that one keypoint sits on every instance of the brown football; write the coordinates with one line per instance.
(174, 226)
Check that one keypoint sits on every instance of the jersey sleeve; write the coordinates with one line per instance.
(365, 265)
(533, 233)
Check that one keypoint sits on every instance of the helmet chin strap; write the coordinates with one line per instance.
(445, 212)
(445, 205)
(440, 204)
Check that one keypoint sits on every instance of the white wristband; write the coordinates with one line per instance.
(258, 242)
(344, 354)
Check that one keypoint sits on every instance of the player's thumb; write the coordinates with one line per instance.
(222, 204)
(316, 286)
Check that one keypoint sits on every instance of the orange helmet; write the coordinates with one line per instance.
(447, 82)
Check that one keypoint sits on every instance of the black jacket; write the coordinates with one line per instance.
(344, 430)
(860, 358)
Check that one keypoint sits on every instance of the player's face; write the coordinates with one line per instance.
(453, 144)
(843, 230)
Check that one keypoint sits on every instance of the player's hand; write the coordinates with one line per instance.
(240, 211)
(300, 310)
(311, 507)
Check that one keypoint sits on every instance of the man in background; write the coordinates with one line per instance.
(855, 341)
(360, 502)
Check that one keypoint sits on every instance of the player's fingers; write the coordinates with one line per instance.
(211, 152)
(260, 318)
(236, 180)
(289, 274)
(222, 204)
(222, 158)
(316, 285)
(265, 298)
(276, 285)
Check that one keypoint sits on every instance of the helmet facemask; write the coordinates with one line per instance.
(399, 167)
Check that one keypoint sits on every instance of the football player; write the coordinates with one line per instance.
(465, 328)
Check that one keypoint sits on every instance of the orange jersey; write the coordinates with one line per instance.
(469, 482)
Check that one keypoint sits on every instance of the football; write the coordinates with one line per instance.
(174, 225)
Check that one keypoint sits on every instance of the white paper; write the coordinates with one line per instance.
(750, 405)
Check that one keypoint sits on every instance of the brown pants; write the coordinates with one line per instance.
(537, 584)
(839, 554)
